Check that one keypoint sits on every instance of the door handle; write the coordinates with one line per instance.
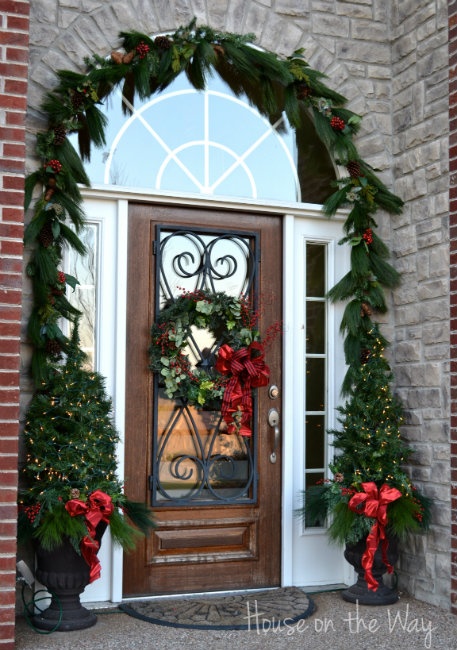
(273, 421)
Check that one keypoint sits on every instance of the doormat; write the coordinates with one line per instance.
(247, 611)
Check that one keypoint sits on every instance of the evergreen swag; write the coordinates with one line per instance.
(71, 453)
(273, 85)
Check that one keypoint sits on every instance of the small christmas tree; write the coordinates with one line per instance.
(71, 443)
(371, 450)
(370, 438)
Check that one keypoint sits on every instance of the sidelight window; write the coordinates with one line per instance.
(315, 362)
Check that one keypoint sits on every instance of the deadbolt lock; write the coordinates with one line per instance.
(273, 392)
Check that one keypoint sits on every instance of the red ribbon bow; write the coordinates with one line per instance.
(97, 508)
(375, 505)
(247, 370)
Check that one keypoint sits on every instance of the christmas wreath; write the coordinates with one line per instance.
(226, 370)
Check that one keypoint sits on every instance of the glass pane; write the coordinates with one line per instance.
(315, 384)
(121, 170)
(173, 175)
(315, 270)
(315, 327)
(196, 460)
(318, 520)
(85, 301)
(315, 441)
(84, 297)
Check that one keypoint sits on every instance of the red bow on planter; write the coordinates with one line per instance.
(97, 508)
(247, 370)
(375, 505)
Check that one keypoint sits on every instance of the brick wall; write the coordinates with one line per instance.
(453, 294)
(14, 38)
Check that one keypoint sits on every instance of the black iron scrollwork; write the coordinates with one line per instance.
(194, 460)
(209, 262)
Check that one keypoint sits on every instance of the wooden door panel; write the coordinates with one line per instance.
(199, 548)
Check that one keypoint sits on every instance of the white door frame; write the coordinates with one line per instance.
(109, 209)
(308, 557)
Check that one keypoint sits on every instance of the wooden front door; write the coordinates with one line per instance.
(226, 533)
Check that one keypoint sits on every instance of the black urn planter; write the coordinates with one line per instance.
(65, 573)
(359, 591)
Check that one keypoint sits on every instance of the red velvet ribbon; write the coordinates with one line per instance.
(96, 509)
(373, 503)
(247, 370)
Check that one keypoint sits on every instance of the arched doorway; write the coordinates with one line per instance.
(248, 542)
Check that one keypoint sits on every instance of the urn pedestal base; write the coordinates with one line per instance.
(359, 591)
(65, 574)
(72, 617)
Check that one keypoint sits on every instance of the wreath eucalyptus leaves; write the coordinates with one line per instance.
(274, 85)
(227, 319)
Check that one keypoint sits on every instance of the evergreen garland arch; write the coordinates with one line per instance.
(273, 85)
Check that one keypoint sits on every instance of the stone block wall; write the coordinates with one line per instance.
(14, 36)
(420, 244)
(390, 59)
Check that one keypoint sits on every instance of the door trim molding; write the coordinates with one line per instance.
(192, 200)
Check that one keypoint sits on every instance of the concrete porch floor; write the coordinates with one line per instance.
(336, 625)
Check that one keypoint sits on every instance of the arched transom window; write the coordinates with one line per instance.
(208, 143)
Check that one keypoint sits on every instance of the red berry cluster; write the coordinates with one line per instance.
(182, 365)
(55, 165)
(368, 236)
(61, 277)
(248, 318)
(32, 512)
(419, 514)
(271, 333)
(337, 123)
(163, 340)
(142, 49)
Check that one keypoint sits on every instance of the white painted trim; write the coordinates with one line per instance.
(309, 545)
(104, 215)
(111, 216)
(120, 378)
(197, 200)
(288, 499)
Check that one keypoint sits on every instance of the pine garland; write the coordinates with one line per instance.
(145, 66)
